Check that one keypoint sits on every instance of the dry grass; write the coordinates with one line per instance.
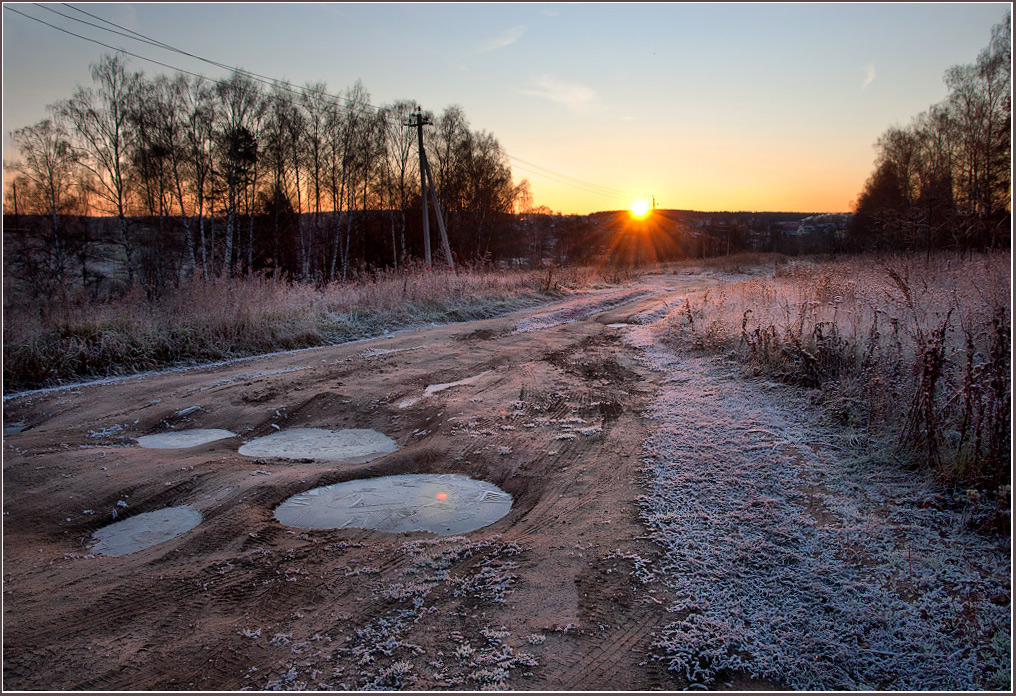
(911, 355)
(48, 342)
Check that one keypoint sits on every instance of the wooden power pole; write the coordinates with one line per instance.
(418, 121)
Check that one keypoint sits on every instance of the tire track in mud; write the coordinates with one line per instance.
(187, 604)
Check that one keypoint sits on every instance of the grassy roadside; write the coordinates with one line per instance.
(911, 356)
(74, 337)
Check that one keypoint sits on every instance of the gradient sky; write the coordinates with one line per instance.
(704, 106)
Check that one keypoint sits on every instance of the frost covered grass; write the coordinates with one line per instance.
(795, 561)
(47, 342)
(380, 656)
(910, 355)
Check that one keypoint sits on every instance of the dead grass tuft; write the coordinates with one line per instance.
(910, 355)
(76, 336)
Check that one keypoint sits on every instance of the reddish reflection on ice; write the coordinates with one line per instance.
(438, 503)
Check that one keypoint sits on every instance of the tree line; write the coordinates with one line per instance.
(153, 180)
(944, 180)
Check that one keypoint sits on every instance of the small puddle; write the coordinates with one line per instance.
(619, 325)
(353, 446)
(145, 530)
(435, 388)
(182, 439)
(439, 503)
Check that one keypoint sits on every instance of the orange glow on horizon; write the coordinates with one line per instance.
(640, 209)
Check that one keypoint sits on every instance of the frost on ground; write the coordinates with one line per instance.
(579, 308)
(793, 562)
(380, 656)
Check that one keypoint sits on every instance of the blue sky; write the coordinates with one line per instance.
(705, 106)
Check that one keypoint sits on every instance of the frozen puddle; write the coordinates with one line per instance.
(438, 503)
(142, 531)
(353, 446)
(182, 439)
(435, 388)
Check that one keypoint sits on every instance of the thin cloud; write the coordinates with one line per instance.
(505, 38)
(869, 75)
(574, 95)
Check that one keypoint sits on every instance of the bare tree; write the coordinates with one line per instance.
(277, 153)
(47, 178)
(101, 120)
(314, 105)
(401, 167)
(241, 110)
(951, 168)
(198, 141)
(349, 138)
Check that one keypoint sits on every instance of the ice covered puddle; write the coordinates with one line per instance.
(181, 439)
(353, 446)
(145, 530)
(435, 388)
(438, 503)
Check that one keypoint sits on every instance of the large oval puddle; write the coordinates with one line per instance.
(438, 503)
(354, 446)
(182, 439)
(145, 530)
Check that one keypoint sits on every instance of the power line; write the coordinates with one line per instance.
(555, 179)
(125, 32)
(269, 81)
(570, 180)
(265, 79)
(105, 45)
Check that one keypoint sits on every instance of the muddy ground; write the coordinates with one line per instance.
(550, 597)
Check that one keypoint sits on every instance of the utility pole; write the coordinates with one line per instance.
(418, 121)
(14, 189)
(440, 221)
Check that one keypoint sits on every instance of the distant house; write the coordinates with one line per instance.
(793, 229)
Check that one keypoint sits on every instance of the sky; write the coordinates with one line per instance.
(711, 106)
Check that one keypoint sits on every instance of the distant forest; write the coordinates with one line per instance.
(150, 181)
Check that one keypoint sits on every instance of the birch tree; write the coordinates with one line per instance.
(47, 178)
(100, 118)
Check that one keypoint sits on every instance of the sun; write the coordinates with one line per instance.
(639, 209)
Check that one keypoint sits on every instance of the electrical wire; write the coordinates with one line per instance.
(565, 179)
(558, 177)
(567, 183)
(137, 36)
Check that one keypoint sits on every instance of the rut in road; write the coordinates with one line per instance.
(545, 404)
(768, 552)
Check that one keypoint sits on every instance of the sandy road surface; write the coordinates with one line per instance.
(548, 407)
(663, 506)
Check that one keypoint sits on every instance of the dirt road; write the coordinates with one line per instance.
(549, 597)
(662, 507)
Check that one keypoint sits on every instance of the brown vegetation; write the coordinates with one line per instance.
(911, 355)
(73, 336)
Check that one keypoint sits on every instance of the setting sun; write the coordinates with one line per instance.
(640, 208)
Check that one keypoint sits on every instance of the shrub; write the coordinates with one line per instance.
(911, 353)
